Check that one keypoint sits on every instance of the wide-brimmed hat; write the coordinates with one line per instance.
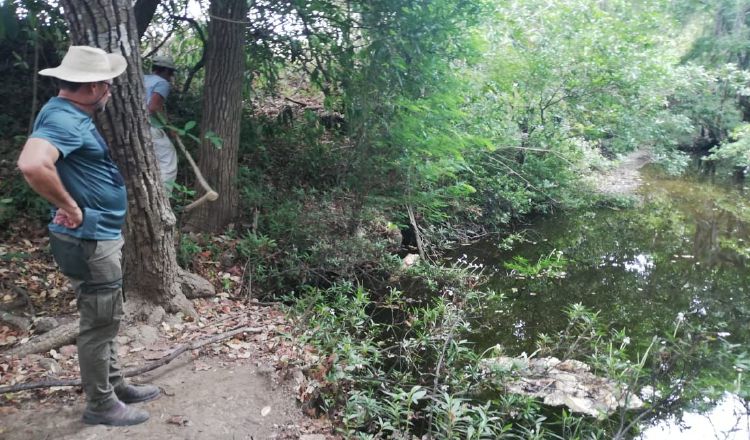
(84, 64)
(164, 61)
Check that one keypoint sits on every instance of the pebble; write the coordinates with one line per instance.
(49, 365)
(68, 350)
(45, 324)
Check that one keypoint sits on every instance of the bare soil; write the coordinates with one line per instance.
(216, 400)
(250, 386)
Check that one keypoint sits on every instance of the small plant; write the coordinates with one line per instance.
(181, 195)
(550, 266)
(187, 250)
(512, 240)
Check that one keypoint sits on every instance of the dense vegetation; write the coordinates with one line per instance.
(443, 120)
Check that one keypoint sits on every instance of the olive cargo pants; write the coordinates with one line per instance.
(95, 271)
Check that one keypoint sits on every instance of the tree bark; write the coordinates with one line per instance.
(150, 262)
(222, 112)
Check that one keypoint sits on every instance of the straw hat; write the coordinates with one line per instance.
(164, 61)
(84, 64)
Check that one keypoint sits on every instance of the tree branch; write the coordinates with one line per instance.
(135, 371)
(199, 65)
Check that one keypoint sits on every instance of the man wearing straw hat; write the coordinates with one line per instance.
(67, 162)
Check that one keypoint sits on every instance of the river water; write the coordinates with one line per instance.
(682, 251)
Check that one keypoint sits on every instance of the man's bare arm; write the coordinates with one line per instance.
(156, 104)
(37, 163)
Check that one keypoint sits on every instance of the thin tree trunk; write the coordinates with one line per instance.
(222, 111)
(150, 263)
(35, 80)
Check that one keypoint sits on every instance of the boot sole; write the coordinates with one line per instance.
(95, 420)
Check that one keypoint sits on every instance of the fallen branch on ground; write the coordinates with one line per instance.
(134, 371)
(19, 322)
(57, 337)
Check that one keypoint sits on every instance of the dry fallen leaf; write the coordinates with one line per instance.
(201, 366)
(179, 420)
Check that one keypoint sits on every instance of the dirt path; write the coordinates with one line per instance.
(624, 178)
(247, 385)
(244, 387)
(202, 399)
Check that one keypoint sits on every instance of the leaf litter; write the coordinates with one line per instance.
(26, 267)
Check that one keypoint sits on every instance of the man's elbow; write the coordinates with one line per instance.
(31, 167)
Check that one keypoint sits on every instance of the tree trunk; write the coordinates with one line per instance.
(222, 111)
(144, 11)
(150, 263)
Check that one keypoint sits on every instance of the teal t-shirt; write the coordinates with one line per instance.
(86, 170)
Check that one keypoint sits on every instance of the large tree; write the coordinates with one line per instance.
(222, 112)
(152, 275)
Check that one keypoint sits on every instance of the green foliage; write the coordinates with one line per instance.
(736, 150)
(187, 250)
(552, 265)
(18, 200)
(400, 369)
(387, 341)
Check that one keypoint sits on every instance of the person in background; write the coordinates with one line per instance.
(158, 85)
(67, 162)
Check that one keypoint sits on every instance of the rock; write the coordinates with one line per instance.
(141, 333)
(409, 260)
(312, 437)
(45, 324)
(122, 340)
(68, 350)
(50, 365)
(227, 258)
(156, 316)
(32, 359)
(568, 383)
(149, 334)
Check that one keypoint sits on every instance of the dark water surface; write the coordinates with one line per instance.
(684, 250)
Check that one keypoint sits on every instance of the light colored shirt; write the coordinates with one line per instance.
(155, 84)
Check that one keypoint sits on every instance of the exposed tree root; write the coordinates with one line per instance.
(134, 371)
(19, 322)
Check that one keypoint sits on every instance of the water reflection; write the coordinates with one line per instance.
(729, 420)
(641, 264)
(683, 251)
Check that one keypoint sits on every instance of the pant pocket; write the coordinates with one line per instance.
(105, 307)
(71, 257)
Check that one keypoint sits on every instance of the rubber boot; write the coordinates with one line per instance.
(118, 415)
(137, 393)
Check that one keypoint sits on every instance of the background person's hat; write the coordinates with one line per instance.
(164, 61)
(84, 64)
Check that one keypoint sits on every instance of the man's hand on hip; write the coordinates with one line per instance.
(70, 218)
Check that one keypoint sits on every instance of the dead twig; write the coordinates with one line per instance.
(417, 233)
(135, 371)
